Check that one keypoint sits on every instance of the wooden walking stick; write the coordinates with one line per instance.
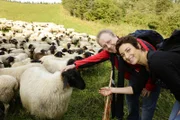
(107, 108)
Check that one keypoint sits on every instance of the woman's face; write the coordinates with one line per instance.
(129, 53)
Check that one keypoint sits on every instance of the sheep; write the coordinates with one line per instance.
(8, 87)
(39, 47)
(2, 52)
(4, 57)
(59, 54)
(52, 49)
(47, 95)
(87, 54)
(23, 62)
(17, 51)
(93, 38)
(53, 65)
(17, 28)
(8, 46)
(17, 58)
(16, 72)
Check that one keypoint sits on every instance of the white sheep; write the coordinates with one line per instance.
(17, 51)
(53, 65)
(23, 62)
(4, 57)
(17, 58)
(8, 87)
(17, 71)
(8, 46)
(46, 95)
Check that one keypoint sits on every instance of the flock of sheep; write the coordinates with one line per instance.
(32, 56)
(37, 1)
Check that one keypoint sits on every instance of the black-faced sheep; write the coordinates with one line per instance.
(47, 95)
(12, 59)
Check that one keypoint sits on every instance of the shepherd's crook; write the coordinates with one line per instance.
(107, 107)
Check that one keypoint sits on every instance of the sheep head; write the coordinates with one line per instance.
(78, 58)
(73, 78)
(59, 54)
(10, 59)
(87, 54)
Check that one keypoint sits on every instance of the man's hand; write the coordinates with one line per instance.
(68, 67)
(145, 92)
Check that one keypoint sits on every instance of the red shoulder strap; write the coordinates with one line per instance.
(142, 42)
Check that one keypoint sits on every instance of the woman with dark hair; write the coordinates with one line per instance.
(163, 65)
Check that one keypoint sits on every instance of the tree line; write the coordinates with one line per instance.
(161, 15)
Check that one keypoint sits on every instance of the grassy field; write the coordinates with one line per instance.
(86, 104)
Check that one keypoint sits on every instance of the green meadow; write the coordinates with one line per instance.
(87, 104)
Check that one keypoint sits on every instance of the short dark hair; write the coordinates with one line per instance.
(104, 31)
(127, 39)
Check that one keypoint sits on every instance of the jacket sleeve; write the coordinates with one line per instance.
(139, 83)
(92, 60)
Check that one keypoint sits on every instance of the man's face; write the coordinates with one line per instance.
(108, 42)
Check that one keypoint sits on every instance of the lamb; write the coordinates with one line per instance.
(47, 95)
(8, 87)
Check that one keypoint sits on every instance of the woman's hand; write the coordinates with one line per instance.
(145, 92)
(105, 91)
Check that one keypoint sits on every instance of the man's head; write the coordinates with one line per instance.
(107, 40)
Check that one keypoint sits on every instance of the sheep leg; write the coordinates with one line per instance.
(6, 106)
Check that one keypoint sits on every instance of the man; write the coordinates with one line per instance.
(107, 40)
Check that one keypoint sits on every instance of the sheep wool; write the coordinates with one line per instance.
(8, 87)
(17, 71)
(43, 94)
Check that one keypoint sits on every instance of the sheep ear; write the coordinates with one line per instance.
(65, 78)
(70, 61)
(65, 82)
(73, 78)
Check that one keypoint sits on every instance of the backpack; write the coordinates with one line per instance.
(172, 43)
(150, 36)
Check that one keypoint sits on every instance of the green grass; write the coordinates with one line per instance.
(87, 104)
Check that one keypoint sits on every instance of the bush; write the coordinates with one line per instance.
(153, 25)
(107, 11)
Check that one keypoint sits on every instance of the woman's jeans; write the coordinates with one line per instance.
(148, 105)
(174, 113)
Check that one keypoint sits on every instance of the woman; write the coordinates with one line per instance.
(164, 65)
